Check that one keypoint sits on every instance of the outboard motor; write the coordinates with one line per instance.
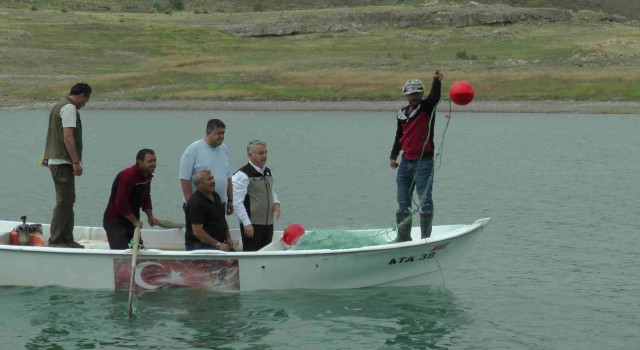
(23, 232)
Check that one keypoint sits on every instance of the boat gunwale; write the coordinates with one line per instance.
(199, 254)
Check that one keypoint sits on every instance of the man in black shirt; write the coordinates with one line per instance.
(206, 225)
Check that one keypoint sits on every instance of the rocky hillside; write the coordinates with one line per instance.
(627, 8)
(341, 19)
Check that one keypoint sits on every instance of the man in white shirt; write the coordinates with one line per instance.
(255, 201)
(63, 156)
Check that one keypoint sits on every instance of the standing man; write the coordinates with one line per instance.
(255, 202)
(211, 154)
(206, 225)
(63, 156)
(414, 137)
(130, 192)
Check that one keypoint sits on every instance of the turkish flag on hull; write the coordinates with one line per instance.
(163, 273)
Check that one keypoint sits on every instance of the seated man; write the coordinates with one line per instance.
(206, 225)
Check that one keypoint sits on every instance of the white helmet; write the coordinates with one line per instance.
(411, 86)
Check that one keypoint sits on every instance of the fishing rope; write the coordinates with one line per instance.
(440, 269)
(444, 133)
(437, 158)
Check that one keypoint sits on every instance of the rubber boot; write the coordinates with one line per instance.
(403, 220)
(425, 224)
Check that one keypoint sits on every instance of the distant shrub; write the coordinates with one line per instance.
(197, 12)
(258, 5)
(177, 5)
(34, 8)
(464, 56)
(157, 5)
(533, 3)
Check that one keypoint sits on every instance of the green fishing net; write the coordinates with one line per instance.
(341, 239)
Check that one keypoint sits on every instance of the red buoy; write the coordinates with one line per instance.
(461, 93)
(292, 233)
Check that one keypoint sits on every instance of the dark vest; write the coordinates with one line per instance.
(259, 199)
(55, 148)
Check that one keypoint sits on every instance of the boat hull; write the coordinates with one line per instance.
(418, 262)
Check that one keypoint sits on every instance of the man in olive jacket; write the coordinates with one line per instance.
(63, 156)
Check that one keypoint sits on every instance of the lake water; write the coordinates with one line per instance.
(557, 267)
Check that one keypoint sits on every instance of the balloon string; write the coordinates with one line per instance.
(437, 156)
(444, 134)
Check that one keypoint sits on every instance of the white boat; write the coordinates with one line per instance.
(165, 264)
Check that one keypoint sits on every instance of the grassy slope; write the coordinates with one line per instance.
(147, 56)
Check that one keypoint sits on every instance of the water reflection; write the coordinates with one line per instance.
(376, 317)
(59, 318)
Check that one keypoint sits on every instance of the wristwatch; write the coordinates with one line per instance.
(218, 245)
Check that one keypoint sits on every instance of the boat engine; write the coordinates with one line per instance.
(25, 234)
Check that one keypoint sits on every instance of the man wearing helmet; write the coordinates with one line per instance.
(414, 137)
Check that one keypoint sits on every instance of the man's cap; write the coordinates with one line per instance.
(411, 86)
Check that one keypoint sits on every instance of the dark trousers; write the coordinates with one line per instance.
(262, 236)
(199, 246)
(62, 220)
(119, 235)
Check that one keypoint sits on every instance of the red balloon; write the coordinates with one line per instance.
(292, 233)
(461, 93)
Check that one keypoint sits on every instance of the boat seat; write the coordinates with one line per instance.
(94, 244)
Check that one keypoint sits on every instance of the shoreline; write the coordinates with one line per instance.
(551, 106)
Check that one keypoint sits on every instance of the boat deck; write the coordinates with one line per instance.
(96, 238)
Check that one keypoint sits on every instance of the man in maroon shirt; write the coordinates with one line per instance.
(130, 192)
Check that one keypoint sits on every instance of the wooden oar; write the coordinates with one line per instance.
(169, 224)
(134, 258)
